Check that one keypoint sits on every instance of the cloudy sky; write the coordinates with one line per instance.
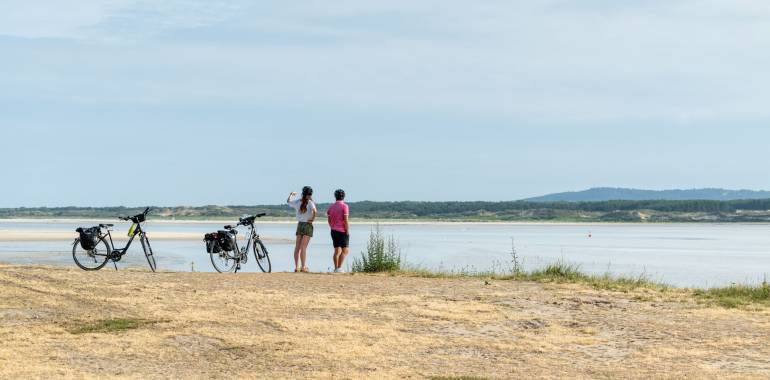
(129, 102)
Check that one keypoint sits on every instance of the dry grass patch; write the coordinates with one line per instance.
(288, 326)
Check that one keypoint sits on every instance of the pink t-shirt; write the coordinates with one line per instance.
(337, 212)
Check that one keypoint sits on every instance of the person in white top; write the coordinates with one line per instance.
(306, 213)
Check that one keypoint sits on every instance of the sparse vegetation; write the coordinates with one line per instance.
(107, 326)
(382, 254)
(737, 295)
(559, 272)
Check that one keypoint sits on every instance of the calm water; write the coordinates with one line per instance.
(680, 254)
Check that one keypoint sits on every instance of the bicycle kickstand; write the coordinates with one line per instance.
(116, 265)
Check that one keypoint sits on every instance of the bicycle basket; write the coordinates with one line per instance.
(226, 240)
(212, 243)
(88, 237)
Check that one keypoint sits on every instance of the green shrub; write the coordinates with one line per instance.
(382, 254)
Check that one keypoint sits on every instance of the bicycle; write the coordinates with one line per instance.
(91, 250)
(227, 256)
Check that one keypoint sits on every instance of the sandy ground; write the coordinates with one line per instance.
(287, 325)
(43, 235)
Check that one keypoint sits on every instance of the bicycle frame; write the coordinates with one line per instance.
(253, 236)
(122, 251)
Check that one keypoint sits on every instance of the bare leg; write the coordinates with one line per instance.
(303, 253)
(297, 249)
(337, 252)
(341, 258)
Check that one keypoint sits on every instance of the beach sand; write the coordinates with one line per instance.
(286, 325)
(44, 235)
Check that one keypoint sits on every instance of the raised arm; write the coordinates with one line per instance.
(291, 197)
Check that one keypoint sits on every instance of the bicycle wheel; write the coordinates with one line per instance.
(148, 252)
(91, 259)
(263, 258)
(223, 261)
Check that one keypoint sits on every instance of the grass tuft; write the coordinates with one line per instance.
(558, 271)
(107, 326)
(737, 295)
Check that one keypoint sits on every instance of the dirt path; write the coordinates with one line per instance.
(285, 325)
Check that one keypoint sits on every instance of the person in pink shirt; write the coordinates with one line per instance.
(338, 214)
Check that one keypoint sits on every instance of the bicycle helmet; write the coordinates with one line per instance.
(339, 194)
(307, 190)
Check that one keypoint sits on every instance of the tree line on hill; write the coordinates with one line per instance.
(513, 210)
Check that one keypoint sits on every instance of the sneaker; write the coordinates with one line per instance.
(336, 270)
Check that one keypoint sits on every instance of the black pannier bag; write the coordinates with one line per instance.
(212, 242)
(88, 237)
(226, 240)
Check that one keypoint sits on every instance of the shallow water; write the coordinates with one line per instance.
(679, 254)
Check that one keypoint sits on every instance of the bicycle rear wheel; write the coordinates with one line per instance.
(93, 259)
(263, 258)
(223, 261)
(148, 252)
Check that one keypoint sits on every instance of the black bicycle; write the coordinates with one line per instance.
(91, 250)
(226, 256)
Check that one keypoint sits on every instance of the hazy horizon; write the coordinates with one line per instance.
(229, 102)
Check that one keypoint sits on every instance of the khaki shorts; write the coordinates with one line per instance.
(304, 229)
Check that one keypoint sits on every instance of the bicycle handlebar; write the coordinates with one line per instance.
(249, 220)
(136, 217)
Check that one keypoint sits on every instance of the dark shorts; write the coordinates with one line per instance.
(304, 229)
(340, 239)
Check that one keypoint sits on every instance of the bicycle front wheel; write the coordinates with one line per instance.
(148, 252)
(93, 259)
(263, 258)
(223, 261)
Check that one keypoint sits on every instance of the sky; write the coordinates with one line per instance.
(138, 102)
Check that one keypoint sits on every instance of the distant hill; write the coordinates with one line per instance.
(600, 194)
(627, 211)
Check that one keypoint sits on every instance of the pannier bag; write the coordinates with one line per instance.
(226, 240)
(88, 237)
(212, 242)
